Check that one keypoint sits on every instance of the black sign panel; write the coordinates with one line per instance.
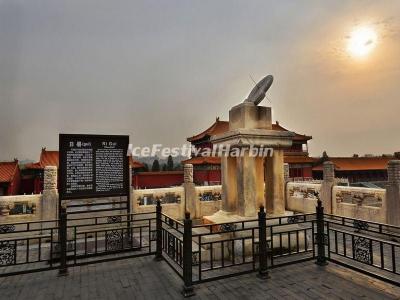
(93, 166)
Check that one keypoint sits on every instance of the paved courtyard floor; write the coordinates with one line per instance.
(143, 278)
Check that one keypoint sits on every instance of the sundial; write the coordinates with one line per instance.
(257, 94)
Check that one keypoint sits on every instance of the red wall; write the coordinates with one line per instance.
(307, 172)
(149, 180)
(211, 176)
(27, 185)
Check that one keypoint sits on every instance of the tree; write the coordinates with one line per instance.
(170, 163)
(164, 167)
(178, 167)
(156, 166)
(145, 167)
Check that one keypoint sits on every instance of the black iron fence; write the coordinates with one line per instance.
(291, 239)
(28, 246)
(59, 244)
(368, 247)
(226, 249)
(200, 253)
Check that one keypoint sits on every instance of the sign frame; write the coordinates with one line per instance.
(63, 160)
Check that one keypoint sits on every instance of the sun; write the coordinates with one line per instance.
(362, 41)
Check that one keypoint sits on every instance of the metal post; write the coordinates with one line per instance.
(129, 231)
(62, 239)
(158, 232)
(187, 257)
(262, 244)
(321, 258)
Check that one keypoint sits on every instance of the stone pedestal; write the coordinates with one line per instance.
(249, 184)
(250, 127)
(191, 203)
(393, 193)
(248, 115)
(49, 206)
(229, 184)
(275, 184)
(326, 186)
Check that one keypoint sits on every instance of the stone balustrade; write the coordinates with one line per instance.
(209, 200)
(206, 200)
(20, 208)
(359, 203)
(378, 205)
(172, 199)
(352, 202)
(300, 196)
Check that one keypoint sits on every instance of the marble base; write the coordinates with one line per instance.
(230, 217)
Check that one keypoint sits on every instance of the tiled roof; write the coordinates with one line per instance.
(357, 163)
(223, 126)
(135, 164)
(47, 158)
(50, 158)
(216, 128)
(8, 170)
(200, 160)
(297, 137)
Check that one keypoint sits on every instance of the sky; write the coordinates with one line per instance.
(161, 71)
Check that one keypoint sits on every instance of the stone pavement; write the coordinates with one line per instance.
(143, 278)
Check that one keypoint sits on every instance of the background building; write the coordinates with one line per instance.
(10, 178)
(366, 170)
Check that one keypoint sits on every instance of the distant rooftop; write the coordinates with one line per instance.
(8, 170)
(357, 163)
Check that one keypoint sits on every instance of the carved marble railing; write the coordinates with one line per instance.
(165, 195)
(339, 181)
(304, 180)
(300, 196)
(209, 199)
(172, 199)
(351, 202)
(342, 181)
(360, 203)
(20, 208)
(209, 193)
(359, 196)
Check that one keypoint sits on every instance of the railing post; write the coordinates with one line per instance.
(262, 244)
(321, 258)
(187, 256)
(62, 238)
(158, 231)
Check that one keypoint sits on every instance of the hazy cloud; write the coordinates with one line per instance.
(161, 71)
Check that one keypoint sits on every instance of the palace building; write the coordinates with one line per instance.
(357, 169)
(9, 178)
(207, 169)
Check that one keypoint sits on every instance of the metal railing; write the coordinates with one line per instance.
(200, 253)
(369, 247)
(58, 244)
